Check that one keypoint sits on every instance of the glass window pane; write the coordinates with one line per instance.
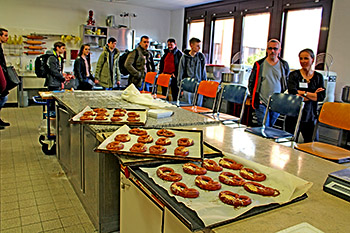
(255, 35)
(222, 46)
(302, 31)
(196, 29)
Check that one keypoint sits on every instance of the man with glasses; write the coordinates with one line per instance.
(269, 75)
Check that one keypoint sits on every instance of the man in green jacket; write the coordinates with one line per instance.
(107, 68)
(139, 62)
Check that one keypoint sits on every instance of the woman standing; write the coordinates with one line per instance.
(82, 69)
(308, 84)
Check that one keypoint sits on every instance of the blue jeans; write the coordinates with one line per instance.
(3, 100)
(188, 96)
(271, 116)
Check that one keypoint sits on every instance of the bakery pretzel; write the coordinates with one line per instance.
(115, 146)
(181, 151)
(89, 113)
(122, 138)
(234, 199)
(133, 114)
(185, 142)
(99, 110)
(180, 189)
(138, 147)
(138, 131)
(230, 164)
(193, 169)
(101, 118)
(231, 179)
(207, 183)
(163, 141)
(118, 113)
(211, 165)
(86, 118)
(168, 174)
(254, 187)
(133, 119)
(165, 133)
(102, 114)
(250, 174)
(115, 118)
(145, 139)
(157, 149)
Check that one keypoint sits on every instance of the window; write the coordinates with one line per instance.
(255, 34)
(302, 31)
(222, 43)
(195, 29)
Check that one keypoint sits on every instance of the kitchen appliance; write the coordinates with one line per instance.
(345, 95)
(330, 79)
(338, 184)
(125, 38)
(214, 71)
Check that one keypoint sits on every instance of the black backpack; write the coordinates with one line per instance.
(41, 67)
(122, 60)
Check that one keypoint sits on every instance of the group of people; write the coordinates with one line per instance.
(269, 75)
(272, 75)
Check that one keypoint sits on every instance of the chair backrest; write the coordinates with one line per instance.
(336, 115)
(150, 77)
(164, 80)
(234, 93)
(208, 88)
(285, 104)
(189, 85)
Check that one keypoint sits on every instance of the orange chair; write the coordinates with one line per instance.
(336, 115)
(163, 80)
(208, 89)
(151, 79)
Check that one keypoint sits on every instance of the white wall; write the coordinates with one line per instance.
(177, 25)
(338, 43)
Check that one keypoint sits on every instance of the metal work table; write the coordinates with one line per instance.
(95, 176)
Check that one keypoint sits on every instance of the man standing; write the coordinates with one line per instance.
(192, 65)
(169, 64)
(139, 62)
(55, 77)
(107, 67)
(3, 95)
(269, 75)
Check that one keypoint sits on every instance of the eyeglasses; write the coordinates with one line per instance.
(270, 48)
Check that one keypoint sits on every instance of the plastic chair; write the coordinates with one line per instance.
(336, 115)
(189, 85)
(285, 104)
(233, 93)
(163, 80)
(151, 79)
(208, 89)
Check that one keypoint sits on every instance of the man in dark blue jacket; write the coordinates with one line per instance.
(169, 64)
(55, 76)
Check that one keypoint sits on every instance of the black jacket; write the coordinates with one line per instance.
(177, 56)
(4, 69)
(80, 71)
(55, 77)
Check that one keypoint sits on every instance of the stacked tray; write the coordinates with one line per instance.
(195, 151)
(110, 116)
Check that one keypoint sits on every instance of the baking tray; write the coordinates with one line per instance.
(188, 216)
(196, 150)
(141, 112)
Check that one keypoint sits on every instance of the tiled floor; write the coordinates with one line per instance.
(35, 193)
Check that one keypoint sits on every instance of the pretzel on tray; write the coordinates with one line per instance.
(157, 149)
(168, 174)
(211, 165)
(122, 137)
(231, 179)
(115, 146)
(207, 183)
(231, 198)
(193, 169)
(145, 139)
(250, 174)
(138, 131)
(185, 142)
(165, 133)
(254, 187)
(163, 141)
(180, 189)
(138, 147)
(230, 164)
(181, 151)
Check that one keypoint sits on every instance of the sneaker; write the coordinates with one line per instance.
(2, 127)
(2, 123)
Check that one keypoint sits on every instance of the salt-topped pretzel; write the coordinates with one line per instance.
(234, 199)
(193, 169)
(138, 147)
(185, 142)
(181, 151)
(122, 137)
(231, 179)
(250, 174)
(207, 183)
(138, 131)
(254, 187)
(165, 133)
(115, 146)
(180, 189)
(211, 165)
(230, 164)
(168, 174)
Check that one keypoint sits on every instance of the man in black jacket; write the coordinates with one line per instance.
(169, 64)
(3, 96)
(55, 77)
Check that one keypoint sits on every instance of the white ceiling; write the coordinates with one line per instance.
(164, 4)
